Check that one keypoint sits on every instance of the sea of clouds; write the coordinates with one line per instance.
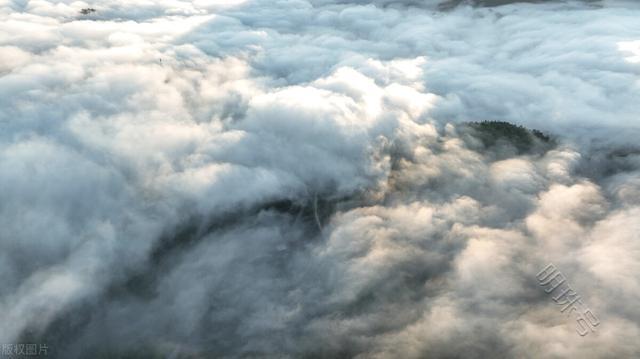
(287, 178)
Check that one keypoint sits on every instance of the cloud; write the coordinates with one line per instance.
(293, 178)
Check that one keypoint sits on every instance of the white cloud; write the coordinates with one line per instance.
(288, 178)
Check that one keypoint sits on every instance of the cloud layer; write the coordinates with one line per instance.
(293, 179)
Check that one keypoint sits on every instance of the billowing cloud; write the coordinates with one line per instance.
(296, 179)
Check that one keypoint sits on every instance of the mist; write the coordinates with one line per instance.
(314, 179)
